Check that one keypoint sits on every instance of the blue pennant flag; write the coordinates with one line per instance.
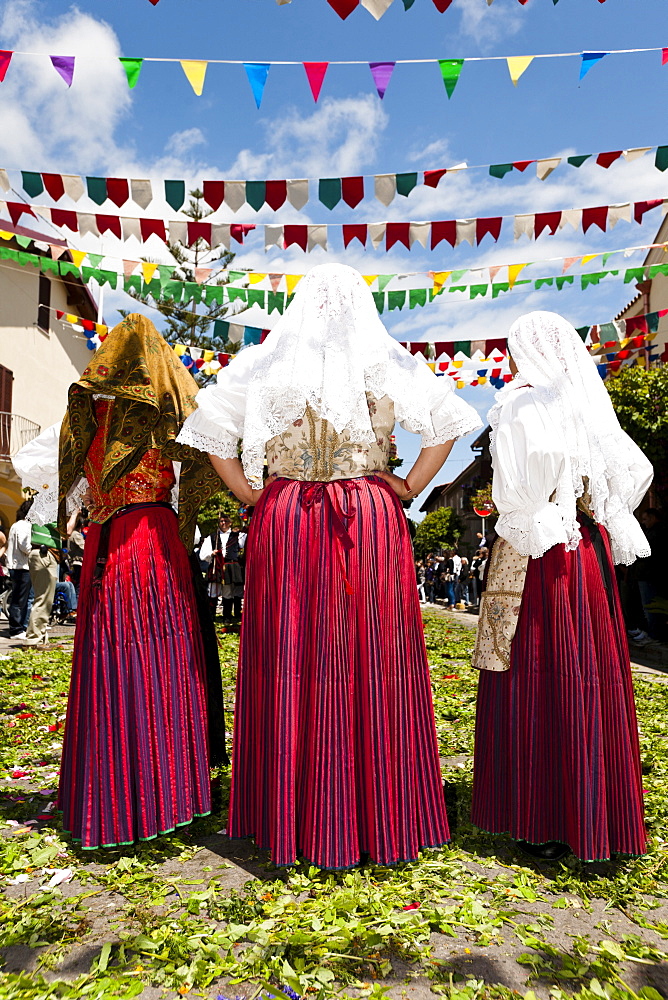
(590, 59)
(257, 77)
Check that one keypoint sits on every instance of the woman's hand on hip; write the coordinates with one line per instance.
(395, 483)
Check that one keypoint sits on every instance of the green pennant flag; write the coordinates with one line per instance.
(542, 281)
(175, 194)
(433, 292)
(417, 297)
(221, 328)
(476, 290)
(463, 347)
(590, 279)
(107, 278)
(658, 269)
(457, 288)
(564, 279)
(172, 290)
(634, 274)
(255, 194)
(214, 294)
(23, 241)
(132, 283)
(32, 183)
(383, 281)
(450, 70)
(406, 183)
(458, 275)
(275, 300)
(236, 294)
(46, 264)
(6, 253)
(577, 161)
(396, 300)
(97, 189)
(132, 69)
(257, 297)
(192, 292)
(87, 273)
(329, 191)
(500, 286)
(95, 259)
(608, 333)
(151, 288)
(236, 275)
(653, 322)
(27, 258)
(379, 298)
(66, 267)
(408, 4)
(582, 332)
(606, 257)
(500, 169)
(166, 271)
(661, 158)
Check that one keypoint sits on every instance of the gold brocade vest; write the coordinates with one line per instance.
(311, 450)
(151, 481)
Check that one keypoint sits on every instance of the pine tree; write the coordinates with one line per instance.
(185, 324)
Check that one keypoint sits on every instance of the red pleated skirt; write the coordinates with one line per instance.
(556, 747)
(335, 749)
(135, 756)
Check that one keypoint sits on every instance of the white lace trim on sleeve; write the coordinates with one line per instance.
(534, 530)
(223, 445)
(44, 508)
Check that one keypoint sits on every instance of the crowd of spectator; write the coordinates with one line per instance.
(450, 578)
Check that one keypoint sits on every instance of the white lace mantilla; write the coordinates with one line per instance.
(223, 445)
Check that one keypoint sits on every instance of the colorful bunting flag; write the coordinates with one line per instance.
(381, 72)
(517, 65)
(5, 59)
(64, 66)
(132, 69)
(195, 71)
(450, 72)
(590, 59)
(315, 73)
(257, 77)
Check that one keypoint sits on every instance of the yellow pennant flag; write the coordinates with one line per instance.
(69, 318)
(482, 380)
(255, 278)
(77, 256)
(513, 273)
(369, 278)
(439, 278)
(148, 270)
(457, 364)
(291, 282)
(179, 349)
(195, 70)
(6, 236)
(591, 256)
(208, 356)
(460, 385)
(101, 329)
(517, 66)
(432, 365)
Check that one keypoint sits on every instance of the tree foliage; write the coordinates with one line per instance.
(439, 530)
(184, 323)
(640, 399)
(220, 503)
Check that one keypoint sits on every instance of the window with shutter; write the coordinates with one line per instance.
(44, 310)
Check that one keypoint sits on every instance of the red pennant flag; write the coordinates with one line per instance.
(263, 335)
(5, 59)
(343, 7)
(53, 184)
(495, 345)
(521, 165)
(150, 227)
(664, 56)
(275, 193)
(199, 231)
(109, 223)
(641, 207)
(352, 190)
(223, 360)
(444, 347)
(63, 217)
(595, 217)
(16, 209)
(432, 177)
(315, 73)
(239, 231)
(295, 234)
(442, 5)
(491, 226)
(118, 190)
(443, 231)
(546, 220)
(606, 159)
(397, 232)
(418, 348)
(356, 232)
(59, 314)
(214, 193)
(637, 323)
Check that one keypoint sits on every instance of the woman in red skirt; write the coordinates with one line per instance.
(335, 751)
(557, 762)
(136, 752)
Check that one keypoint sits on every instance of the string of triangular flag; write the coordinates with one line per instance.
(165, 287)
(257, 73)
(374, 235)
(379, 7)
(275, 193)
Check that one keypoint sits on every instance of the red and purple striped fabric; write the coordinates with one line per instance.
(135, 759)
(556, 752)
(335, 749)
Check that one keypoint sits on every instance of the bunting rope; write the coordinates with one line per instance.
(377, 235)
(234, 194)
(379, 7)
(381, 72)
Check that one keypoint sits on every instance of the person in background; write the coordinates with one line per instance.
(430, 579)
(221, 551)
(419, 575)
(19, 545)
(43, 562)
(462, 589)
(75, 545)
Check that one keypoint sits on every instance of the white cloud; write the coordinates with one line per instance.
(184, 142)
(489, 24)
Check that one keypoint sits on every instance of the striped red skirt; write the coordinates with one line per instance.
(556, 746)
(335, 749)
(135, 757)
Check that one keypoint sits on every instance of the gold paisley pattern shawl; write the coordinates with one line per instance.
(153, 395)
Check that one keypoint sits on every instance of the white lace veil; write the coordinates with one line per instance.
(551, 357)
(327, 351)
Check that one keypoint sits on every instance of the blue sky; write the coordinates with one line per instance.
(161, 129)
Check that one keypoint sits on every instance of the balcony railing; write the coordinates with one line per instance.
(15, 431)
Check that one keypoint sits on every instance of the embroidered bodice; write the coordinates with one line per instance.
(151, 481)
(310, 449)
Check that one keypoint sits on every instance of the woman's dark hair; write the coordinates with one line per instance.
(22, 511)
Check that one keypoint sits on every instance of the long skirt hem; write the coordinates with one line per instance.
(540, 843)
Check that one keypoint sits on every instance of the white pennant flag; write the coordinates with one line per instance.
(141, 192)
(235, 194)
(273, 237)
(466, 231)
(524, 226)
(617, 213)
(317, 237)
(376, 233)
(298, 193)
(377, 7)
(74, 186)
(385, 187)
(545, 167)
